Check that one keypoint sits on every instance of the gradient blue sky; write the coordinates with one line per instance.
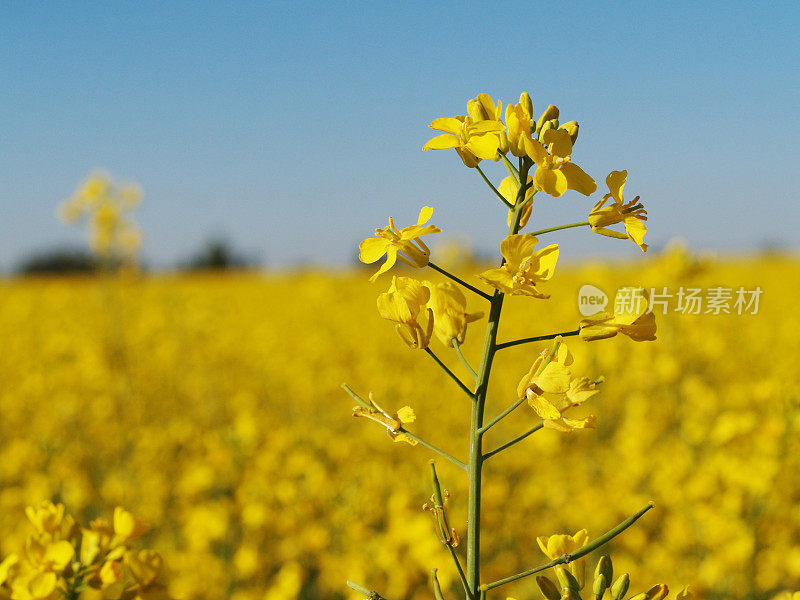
(295, 128)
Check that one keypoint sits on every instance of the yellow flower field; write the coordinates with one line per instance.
(210, 407)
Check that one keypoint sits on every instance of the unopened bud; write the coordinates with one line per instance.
(620, 587)
(571, 127)
(549, 589)
(526, 102)
(605, 568)
(657, 592)
(552, 124)
(567, 580)
(551, 112)
(600, 585)
(437, 588)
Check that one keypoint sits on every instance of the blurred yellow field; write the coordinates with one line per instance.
(210, 406)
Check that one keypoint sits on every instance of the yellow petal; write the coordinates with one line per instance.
(554, 379)
(452, 125)
(425, 214)
(442, 142)
(535, 150)
(550, 181)
(636, 230)
(484, 146)
(406, 415)
(558, 142)
(517, 248)
(616, 183)
(391, 258)
(543, 263)
(372, 249)
(500, 279)
(578, 179)
(542, 406)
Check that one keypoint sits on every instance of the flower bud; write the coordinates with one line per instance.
(657, 592)
(605, 568)
(551, 124)
(437, 588)
(551, 112)
(526, 102)
(567, 580)
(600, 585)
(549, 589)
(620, 587)
(571, 127)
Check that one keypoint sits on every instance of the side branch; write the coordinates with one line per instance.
(460, 281)
(501, 416)
(560, 227)
(463, 359)
(494, 189)
(580, 553)
(519, 438)
(430, 446)
(452, 375)
(538, 338)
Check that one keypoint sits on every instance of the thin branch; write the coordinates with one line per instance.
(430, 446)
(452, 375)
(559, 228)
(519, 438)
(500, 417)
(538, 338)
(471, 288)
(580, 553)
(494, 189)
(461, 574)
(463, 359)
(512, 170)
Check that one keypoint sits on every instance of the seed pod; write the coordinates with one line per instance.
(600, 586)
(567, 580)
(604, 567)
(551, 112)
(437, 589)
(620, 587)
(549, 589)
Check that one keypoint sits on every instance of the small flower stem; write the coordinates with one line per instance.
(519, 438)
(460, 570)
(494, 189)
(460, 281)
(362, 590)
(538, 338)
(452, 375)
(580, 553)
(512, 170)
(430, 446)
(501, 416)
(463, 359)
(559, 228)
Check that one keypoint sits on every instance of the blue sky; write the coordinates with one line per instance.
(293, 129)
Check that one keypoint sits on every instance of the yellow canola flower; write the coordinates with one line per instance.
(127, 527)
(393, 423)
(630, 317)
(632, 215)
(36, 585)
(523, 268)
(518, 124)
(509, 188)
(49, 556)
(145, 566)
(483, 108)
(558, 545)
(46, 517)
(551, 391)
(473, 140)
(391, 241)
(402, 304)
(555, 172)
(448, 306)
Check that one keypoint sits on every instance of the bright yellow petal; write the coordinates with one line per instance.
(449, 124)
(484, 146)
(425, 214)
(543, 263)
(442, 142)
(543, 407)
(517, 248)
(616, 183)
(535, 150)
(500, 279)
(636, 230)
(578, 179)
(550, 181)
(558, 142)
(391, 258)
(372, 249)
(554, 379)
(406, 415)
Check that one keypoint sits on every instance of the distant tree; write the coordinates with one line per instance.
(57, 261)
(218, 255)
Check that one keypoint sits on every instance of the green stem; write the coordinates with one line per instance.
(449, 372)
(559, 228)
(580, 553)
(460, 570)
(538, 338)
(494, 189)
(512, 170)
(519, 438)
(458, 280)
(501, 416)
(463, 359)
(429, 446)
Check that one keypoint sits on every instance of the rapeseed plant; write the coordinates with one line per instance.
(544, 152)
